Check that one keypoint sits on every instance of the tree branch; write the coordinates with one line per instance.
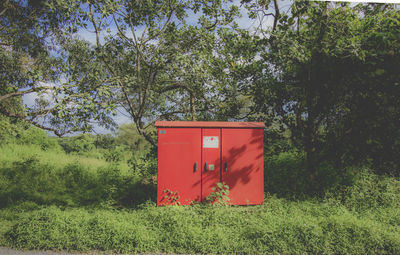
(177, 85)
(276, 16)
(96, 29)
(5, 7)
(162, 30)
(20, 93)
(37, 124)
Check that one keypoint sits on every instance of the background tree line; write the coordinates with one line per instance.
(323, 76)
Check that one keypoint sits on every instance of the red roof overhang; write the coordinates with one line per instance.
(210, 124)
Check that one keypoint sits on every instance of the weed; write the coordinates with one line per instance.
(219, 194)
(170, 197)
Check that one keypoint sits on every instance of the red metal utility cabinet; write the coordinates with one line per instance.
(193, 156)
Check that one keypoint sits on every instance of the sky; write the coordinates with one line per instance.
(244, 22)
(88, 35)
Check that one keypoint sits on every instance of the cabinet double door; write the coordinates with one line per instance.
(191, 161)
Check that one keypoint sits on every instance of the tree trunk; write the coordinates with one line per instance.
(310, 131)
(192, 107)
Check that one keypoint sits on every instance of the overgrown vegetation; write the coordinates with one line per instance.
(323, 77)
(82, 176)
(280, 226)
(80, 206)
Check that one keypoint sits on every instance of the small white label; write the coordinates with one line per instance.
(210, 142)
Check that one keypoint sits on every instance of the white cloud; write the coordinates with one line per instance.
(47, 94)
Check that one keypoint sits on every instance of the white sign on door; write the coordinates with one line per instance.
(210, 142)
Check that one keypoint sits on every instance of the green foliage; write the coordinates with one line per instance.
(160, 72)
(357, 189)
(30, 180)
(286, 176)
(171, 197)
(22, 133)
(105, 141)
(276, 141)
(8, 131)
(57, 158)
(77, 144)
(328, 74)
(85, 230)
(114, 155)
(219, 195)
(128, 135)
(32, 63)
(144, 165)
(368, 191)
(34, 135)
(74, 207)
(280, 226)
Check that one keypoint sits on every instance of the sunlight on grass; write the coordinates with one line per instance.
(59, 159)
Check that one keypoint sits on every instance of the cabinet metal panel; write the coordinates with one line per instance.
(242, 158)
(211, 157)
(179, 165)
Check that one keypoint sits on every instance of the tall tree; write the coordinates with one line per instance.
(32, 65)
(149, 59)
(328, 74)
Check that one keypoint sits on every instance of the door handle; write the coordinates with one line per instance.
(226, 167)
(206, 166)
(195, 166)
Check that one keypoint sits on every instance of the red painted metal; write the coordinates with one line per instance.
(211, 157)
(182, 144)
(178, 151)
(242, 152)
(210, 124)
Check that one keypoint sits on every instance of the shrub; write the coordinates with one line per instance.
(285, 174)
(105, 141)
(34, 135)
(23, 133)
(8, 131)
(77, 144)
(144, 165)
(368, 191)
(73, 185)
(29, 180)
(114, 155)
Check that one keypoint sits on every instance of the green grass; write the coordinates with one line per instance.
(29, 174)
(56, 158)
(52, 200)
(279, 226)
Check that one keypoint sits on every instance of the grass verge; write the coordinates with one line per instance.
(279, 226)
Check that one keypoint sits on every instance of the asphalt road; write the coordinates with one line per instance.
(8, 251)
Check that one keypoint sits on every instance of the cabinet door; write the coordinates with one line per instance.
(242, 165)
(211, 157)
(179, 165)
